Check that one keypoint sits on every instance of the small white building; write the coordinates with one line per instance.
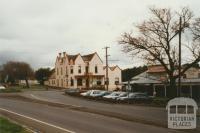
(84, 72)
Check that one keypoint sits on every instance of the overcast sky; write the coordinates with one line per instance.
(35, 31)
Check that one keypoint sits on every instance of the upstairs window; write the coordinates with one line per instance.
(61, 71)
(86, 69)
(66, 71)
(57, 71)
(116, 81)
(71, 70)
(79, 69)
(96, 69)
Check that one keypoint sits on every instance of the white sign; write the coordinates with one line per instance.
(182, 113)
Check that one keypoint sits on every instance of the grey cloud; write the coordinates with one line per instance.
(35, 31)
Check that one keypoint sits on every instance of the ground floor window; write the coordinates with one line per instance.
(79, 82)
(72, 82)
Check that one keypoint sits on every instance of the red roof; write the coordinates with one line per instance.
(156, 69)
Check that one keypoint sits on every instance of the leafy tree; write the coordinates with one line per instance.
(42, 74)
(128, 73)
(157, 41)
(13, 71)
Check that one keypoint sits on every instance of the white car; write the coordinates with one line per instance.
(87, 93)
(2, 87)
(115, 95)
(95, 93)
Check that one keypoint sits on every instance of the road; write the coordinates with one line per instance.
(52, 119)
(154, 114)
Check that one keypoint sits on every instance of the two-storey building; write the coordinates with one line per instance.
(83, 71)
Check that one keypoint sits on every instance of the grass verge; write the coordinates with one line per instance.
(20, 88)
(9, 127)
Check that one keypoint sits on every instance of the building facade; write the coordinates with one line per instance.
(84, 72)
(155, 82)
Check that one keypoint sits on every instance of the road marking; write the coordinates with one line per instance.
(36, 97)
(33, 119)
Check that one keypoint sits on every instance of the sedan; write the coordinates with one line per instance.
(2, 87)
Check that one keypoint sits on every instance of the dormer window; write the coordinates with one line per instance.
(96, 69)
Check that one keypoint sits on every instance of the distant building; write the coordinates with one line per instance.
(84, 72)
(154, 81)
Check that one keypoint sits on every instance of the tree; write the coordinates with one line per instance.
(127, 74)
(42, 74)
(13, 71)
(157, 41)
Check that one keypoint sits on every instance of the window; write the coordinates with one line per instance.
(71, 70)
(107, 82)
(190, 109)
(181, 109)
(116, 81)
(99, 81)
(198, 75)
(61, 82)
(184, 76)
(57, 71)
(79, 81)
(72, 82)
(79, 69)
(61, 71)
(57, 82)
(86, 69)
(172, 109)
(66, 71)
(96, 69)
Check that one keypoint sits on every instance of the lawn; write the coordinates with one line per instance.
(8, 127)
(20, 88)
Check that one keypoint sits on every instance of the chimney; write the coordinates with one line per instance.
(64, 54)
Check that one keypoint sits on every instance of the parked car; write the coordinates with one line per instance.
(72, 91)
(100, 93)
(2, 87)
(134, 96)
(95, 93)
(87, 93)
(115, 95)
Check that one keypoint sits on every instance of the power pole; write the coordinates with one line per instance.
(106, 48)
(179, 67)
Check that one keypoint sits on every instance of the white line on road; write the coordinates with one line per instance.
(36, 97)
(33, 119)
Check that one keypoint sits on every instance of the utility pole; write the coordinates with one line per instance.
(106, 79)
(179, 67)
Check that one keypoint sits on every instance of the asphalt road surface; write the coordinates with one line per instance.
(51, 119)
(142, 112)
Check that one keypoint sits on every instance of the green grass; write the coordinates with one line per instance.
(10, 90)
(8, 127)
(20, 88)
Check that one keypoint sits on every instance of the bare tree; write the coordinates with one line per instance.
(157, 41)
